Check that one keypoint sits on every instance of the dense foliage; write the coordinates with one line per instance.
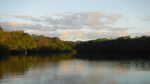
(122, 44)
(20, 41)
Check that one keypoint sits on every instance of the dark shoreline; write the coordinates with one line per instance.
(112, 56)
(90, 56)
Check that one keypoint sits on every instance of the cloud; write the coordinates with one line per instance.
(67, 26)
(76, 35)
(140, 34)
(12, 25)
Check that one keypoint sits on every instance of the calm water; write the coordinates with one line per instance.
(66, 70)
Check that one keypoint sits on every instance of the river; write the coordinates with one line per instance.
(63, 69)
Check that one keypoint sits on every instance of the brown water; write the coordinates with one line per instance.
(66, 70)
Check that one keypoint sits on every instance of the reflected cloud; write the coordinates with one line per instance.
(39, 70)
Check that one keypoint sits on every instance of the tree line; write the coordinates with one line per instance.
(121, 44)
(19, 42)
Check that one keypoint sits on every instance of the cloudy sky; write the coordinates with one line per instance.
(77, 19)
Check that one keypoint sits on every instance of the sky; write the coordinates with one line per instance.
(77, 19)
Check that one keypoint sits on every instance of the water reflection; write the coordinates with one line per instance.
(65, 70)
(17, 65)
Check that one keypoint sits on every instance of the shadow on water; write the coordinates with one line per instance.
(112, 56)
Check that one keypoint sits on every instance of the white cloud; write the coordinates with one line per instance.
(67, 26)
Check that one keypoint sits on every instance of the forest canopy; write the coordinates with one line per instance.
(18, 40)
